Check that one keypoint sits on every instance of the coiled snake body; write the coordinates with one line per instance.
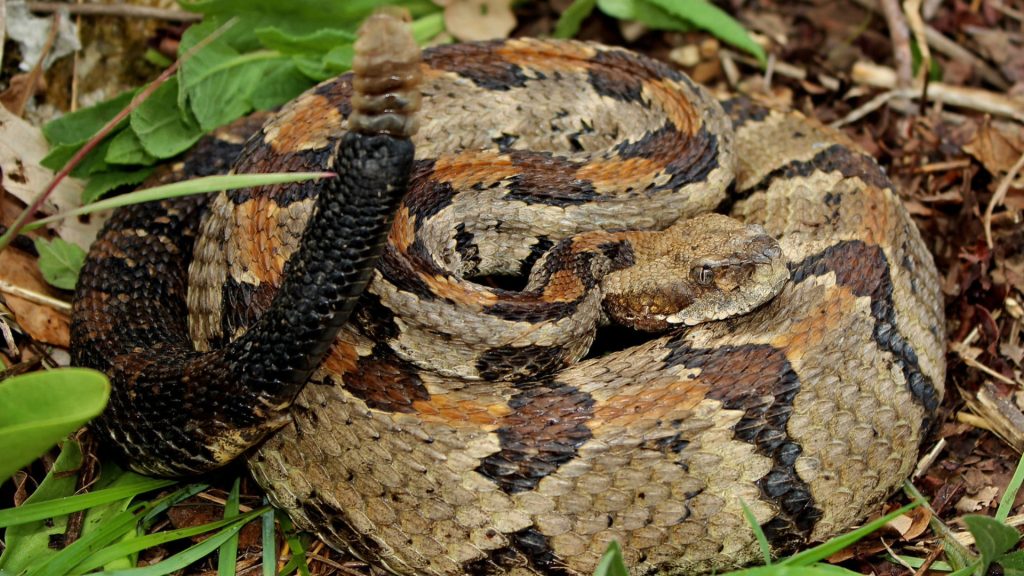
(452, 426)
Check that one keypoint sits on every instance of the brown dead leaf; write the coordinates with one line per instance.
(998, 145)
(42, 323)
(1002, 47)
(470, 20)
(913, 523)
(22, 146)
(975, 502)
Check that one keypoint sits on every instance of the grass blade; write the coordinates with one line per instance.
(269, 542)
(61, 506)
(836, 544)
(1010, 494)
(228, 554)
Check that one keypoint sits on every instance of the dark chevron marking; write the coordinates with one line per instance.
(864, 269)
(548, 424)
(759, 380)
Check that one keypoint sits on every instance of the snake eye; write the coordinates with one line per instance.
(703, 275)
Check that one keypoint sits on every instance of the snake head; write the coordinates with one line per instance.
(708, 268)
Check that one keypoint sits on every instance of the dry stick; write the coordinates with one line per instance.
(912, 10)
(28, 212)
(32, 80)
(123, 10)
(955, 51)
(34, 297)
(973, 98)
(999, 196)
(900, 37)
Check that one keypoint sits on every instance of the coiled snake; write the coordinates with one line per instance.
(453, 425)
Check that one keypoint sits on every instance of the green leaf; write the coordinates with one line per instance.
(281, 85)
(707, 16)
(162, 132)
(317, 42)
(268, 541)
(569, 22)
(619, 9)
(40, 408)
(104, 182)
(298, 17)
(126, 148)
(60, 261)
(29, 544)
(77, 127)
(219, 80)
(1012, 561)
(992, 537)
(335, 62)
(612, 563)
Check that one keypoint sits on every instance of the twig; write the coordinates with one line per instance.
(957, 52)
(928, 459)
(3, 27)
(973, 98)
(34, 297)
(865, 108)
(123, 10)
(30, 211)
(900, 37)
(1000, 195)
(912, 9)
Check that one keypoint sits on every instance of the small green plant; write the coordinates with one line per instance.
(680, 15)
(40, 408)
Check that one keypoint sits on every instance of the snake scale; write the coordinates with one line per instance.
(454, 421)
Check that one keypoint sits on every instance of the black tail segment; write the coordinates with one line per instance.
(177, 412)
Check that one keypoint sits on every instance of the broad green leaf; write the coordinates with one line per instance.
(40, 408)
(77, 127)
(992, 537)
(126, 148)
(328, 65)
(162, 132)
(619, 9)
(569, 23)
(1012, 561)
(60, 261)
(707, 16)
(281, 85)
(104, 182)
(29, 544)
(298, 17)
(612, 563)
(219, 79)
(93, 163)
(318, 42)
